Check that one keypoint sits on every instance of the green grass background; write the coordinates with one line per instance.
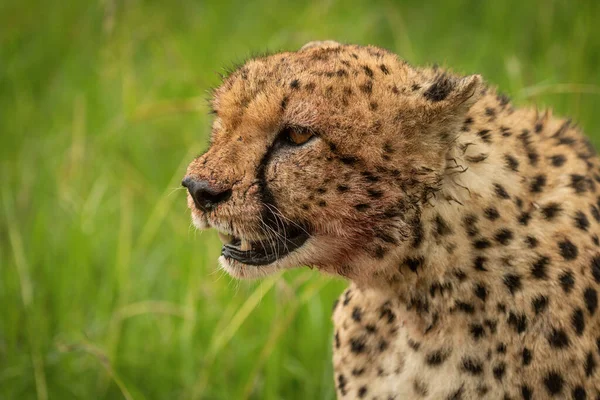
(106, 291)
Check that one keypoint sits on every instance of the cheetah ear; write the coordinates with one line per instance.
(322, 44)
(454, 94)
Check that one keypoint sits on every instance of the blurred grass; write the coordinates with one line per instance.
(105, 289)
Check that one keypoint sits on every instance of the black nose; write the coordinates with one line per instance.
(206, 196)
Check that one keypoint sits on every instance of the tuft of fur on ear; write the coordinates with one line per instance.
(452, 93)
(445, 102)
(323, 44)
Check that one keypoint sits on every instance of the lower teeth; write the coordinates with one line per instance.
(245, 245)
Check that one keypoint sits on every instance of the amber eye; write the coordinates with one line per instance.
(297, 136)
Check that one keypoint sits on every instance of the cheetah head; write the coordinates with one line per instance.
(324, 157)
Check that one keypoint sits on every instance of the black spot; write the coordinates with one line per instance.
(456, 395)
(590, 364)
(578, 321)
(383, 345)
(348, 160)
(356, 314)
(386, 313)
(499, 371)
(362, 207)
(539, 303)
(581, 221)
(501, 348)
(526, 392)
(517, 321)
(440, 89)
(590, 296)
(470, 222)
(472, 366)
(568, 250)
(531, 242)
(501, 192)
(295, 84)
(526, 354)
(595, 212)
(491, 324)
(380, 252)
(414, 345)
(362, 392)
(322, 203)
(342, 188)
(558, 160)
(369, 177)
(505, 131)
(485, 135)
(342, 384)
(503, 99)
(420, 388)
(533, 157)
(413, 263)
(511, 162)
(368, 71)
(284, 103)
(418, 234)
(481, 291)
(524, 218)
(539, 269)
(567, 280)
(558, 339)
(512, 282)
(503, 236)
(579, 183)
(596, 268)
(481, 244)
(460, 275)
(337, 340)
(579, 393)
(554, 383)
(347, 297)
(374, 194)
(436, 358)
(310, 86)
(441, 227)
(384, 69)
(358, 371)
(357, 345)
(491, 213)
(367, 87)
(538, 183)
(465, 307)
(490, 112)
(551, 210)
(477, 331)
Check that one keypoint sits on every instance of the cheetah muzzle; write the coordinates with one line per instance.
(468, 228)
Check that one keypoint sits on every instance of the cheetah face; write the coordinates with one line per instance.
(321, 158)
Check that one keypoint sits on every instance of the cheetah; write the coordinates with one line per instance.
(467, 227)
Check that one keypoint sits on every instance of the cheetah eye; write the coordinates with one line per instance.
(297, 136)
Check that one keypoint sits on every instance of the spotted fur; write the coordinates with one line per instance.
(467, 227)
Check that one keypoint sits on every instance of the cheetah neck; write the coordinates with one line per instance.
(475, 223)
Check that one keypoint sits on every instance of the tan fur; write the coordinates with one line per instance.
(469, 228)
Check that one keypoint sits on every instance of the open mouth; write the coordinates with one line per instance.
(263, 252)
